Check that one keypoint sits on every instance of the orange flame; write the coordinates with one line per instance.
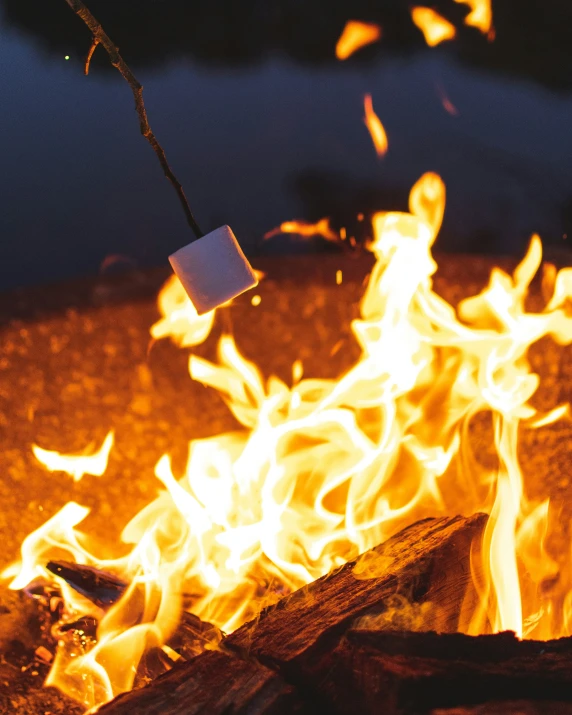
(180, 318)
(434, 27)
(76, 465)
(375, 127)
(481, 15)
(323, 469)
(306, 230)
(354, 36)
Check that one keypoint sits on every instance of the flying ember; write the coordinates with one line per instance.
(354, 36)
(481, 15)
(375, 127)
(434, 27)
(306, 230)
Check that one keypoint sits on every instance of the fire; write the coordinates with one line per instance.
(354, 36)
(434, 27)
(306, 230)
(375, 127)
(180, 319)
(323, 469)
(481, 15)
(76, 465)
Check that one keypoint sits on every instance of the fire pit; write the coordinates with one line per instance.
(315, 521)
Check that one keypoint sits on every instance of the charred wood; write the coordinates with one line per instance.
(404, 673)
(427, 562)
(214, 683)
(510, 707)
(100, 587)
(104, 589)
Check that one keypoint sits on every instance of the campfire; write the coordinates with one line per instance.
(364, 543)
(315, 557)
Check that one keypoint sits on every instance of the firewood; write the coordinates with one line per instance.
(100, 587)
(105, 589)
(510, 707)
(191, 638)
(427, 562)
(214, 683)
(405, 673)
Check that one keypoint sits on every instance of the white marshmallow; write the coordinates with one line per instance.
(213, 269)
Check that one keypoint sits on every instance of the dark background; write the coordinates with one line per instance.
(262, 124)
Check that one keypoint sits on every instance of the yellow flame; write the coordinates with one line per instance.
(323, 469)
(354, 36)
(434, 27)
(481, 15)
(76, 465)
(306, 230)
(180, 319)
(375, 127)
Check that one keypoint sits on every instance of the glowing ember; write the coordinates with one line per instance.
(481, 15)
(306, 230)
(354, 36)
(446, 103)
(375, 127)
(76, 465)
(434, 27)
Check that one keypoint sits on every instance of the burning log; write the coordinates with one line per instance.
(100, 587)
(510, 707)
(215, 683)
(104, 589)
(371, 672)
(427, 562)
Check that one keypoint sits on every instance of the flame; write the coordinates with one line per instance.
(434, 27)
(306, 230)
(375, 127)
(180, 319)
(76, 465)
(481, 15)
(322, 469)
(354, 36)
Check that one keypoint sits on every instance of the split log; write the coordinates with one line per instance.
(511, 707)
(427, 562)
(214, 683)
(401, 673)
(192, 637)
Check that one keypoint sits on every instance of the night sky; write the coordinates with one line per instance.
(258, 143)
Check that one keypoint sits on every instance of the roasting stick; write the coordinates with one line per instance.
(212, 267)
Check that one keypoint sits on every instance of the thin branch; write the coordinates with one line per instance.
(92, 49)
(117, 61)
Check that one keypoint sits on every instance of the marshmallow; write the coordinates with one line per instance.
(213, 269)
